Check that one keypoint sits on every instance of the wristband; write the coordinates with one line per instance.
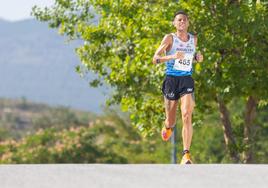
(195, 56)
(158, 61)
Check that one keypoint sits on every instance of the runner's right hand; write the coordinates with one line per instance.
(179, 55)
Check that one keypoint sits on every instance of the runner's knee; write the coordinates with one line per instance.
(186, 116)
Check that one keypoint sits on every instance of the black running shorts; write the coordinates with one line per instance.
(175, 87)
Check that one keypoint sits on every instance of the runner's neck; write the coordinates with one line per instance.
(183, 35)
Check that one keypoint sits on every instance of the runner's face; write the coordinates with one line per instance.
(181, 22)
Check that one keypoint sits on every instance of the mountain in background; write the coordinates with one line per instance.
(37, 64)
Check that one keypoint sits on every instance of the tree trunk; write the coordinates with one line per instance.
(250, 115)
(227, 129)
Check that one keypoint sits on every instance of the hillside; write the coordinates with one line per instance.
(37, 133)
(37, 64)
(20, 117)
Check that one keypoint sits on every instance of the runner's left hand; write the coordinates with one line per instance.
(199, 57)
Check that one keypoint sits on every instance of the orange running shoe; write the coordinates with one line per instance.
(186, 159)
(166, 133)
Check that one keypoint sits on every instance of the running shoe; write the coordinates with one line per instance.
(186, 159)
(166, 133)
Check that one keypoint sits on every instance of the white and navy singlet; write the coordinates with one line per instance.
(181, 67)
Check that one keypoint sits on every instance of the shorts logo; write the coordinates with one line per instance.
(170, 94)
(189, 89)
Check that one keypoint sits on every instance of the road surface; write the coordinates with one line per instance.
(133, 176)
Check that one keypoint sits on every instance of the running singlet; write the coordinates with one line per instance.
(181, 67)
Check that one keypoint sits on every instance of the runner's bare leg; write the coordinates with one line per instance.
(171, 109)
(187, 106)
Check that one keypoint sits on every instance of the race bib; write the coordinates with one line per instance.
(184, 64)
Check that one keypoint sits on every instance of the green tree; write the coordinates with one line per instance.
(234, 39)
(121, 36)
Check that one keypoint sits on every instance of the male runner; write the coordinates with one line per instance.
(178, 51)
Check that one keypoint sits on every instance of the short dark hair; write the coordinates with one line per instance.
(181, 12)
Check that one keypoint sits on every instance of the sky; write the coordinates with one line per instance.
(15, 10)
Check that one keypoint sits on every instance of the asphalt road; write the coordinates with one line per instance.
(133, 176)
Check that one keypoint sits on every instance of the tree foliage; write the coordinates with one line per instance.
(119, 48)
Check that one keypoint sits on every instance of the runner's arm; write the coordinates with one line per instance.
(164, 46)
(198, 56)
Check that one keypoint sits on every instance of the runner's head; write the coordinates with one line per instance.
(181, 21)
